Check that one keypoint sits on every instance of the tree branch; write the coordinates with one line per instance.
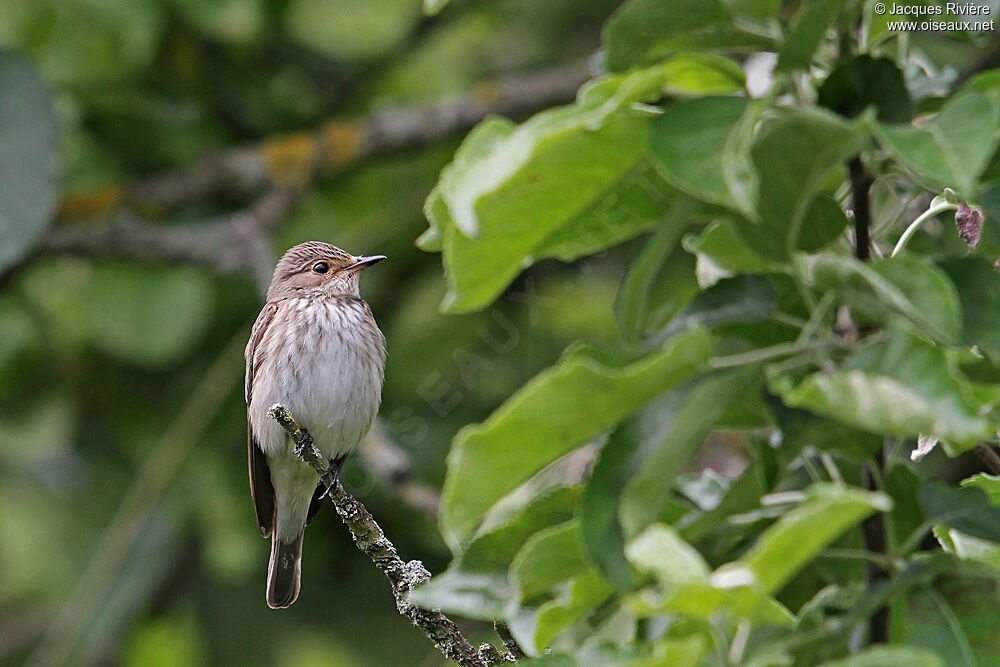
(296, 159)
(403, 576)
(873, 528)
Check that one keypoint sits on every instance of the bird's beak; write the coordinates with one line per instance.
(363, 263)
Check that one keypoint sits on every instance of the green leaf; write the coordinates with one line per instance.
(904, 388)
(809, 27)
(720, 252)
(484, 138)
(567, 182)
(583, 593)
(641, 31)
(797, 537)
(890, 656)
(862, 81)
(586, 393)
(658, 262)
(655, 442)
(676, 441)
(743, 299)
(475, 584)
(28, 155)
(549, 557)
(701, 147)
(906, 285)
(659, 551)
(978, 288)
(967, 509)
(951, 148)
(990, 484)
(676, 652)
(732, 590)
(494, 548)
(793, 155)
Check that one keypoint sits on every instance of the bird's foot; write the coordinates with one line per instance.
(332, 473)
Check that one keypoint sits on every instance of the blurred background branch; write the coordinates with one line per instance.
(295, 159)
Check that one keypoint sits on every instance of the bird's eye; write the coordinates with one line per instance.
(321, 267)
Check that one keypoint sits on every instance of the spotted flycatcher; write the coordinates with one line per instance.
(315, 348)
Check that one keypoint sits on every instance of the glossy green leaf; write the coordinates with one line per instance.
(904, 388)
(641, 31)
(797, 537)
(808, 28)
(567, 182)
(701, 147)
(28, 156)
(676, 652)
(791, 179)
(585, 393)
(951, 148)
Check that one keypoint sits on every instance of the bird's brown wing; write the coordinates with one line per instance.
(260, 476)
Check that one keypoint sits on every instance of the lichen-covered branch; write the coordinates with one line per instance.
(296, 159)
(238, 242)
(403, 576)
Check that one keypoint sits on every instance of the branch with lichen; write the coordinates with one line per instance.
(403, 576)
(297, 159)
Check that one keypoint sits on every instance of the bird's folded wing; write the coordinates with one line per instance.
(260, 476)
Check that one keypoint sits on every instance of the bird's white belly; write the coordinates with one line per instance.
(332, 387)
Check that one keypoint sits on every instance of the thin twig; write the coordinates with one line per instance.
(403, 576)
(989, 457)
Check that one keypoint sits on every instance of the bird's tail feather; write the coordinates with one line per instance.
(284, 572)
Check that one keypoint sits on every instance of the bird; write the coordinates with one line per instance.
(315, 348)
